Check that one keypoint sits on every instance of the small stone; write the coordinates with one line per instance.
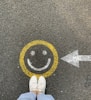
(2, 95)
(18, 67)
(61, 91)
(54, 74)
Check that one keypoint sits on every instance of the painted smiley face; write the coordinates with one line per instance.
(42, 68)
(38, 59)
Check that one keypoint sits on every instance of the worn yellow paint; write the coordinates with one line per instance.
(35, 43)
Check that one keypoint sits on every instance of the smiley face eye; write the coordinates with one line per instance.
(44, 52)
(32, 53)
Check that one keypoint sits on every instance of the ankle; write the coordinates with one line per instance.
(40, 92)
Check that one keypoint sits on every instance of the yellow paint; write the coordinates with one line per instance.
(35, 43)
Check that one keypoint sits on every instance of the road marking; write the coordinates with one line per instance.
(32, 53)
(74, 58)
(35, 43)
(44, 52)
(39, 69)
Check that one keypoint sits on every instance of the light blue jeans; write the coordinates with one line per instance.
(32, 96)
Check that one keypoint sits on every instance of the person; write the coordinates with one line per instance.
(37, 90)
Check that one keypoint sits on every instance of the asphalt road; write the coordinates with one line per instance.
(64, 23)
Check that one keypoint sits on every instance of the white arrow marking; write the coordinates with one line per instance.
(74, 58)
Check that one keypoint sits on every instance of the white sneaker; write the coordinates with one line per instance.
(41, 84)
(33, 84)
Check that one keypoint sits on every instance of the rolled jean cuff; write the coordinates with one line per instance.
(45, 97)
(27, 96)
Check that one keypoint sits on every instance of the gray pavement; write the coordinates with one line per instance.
(64, 23)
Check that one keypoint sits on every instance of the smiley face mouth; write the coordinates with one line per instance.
(39, 69)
